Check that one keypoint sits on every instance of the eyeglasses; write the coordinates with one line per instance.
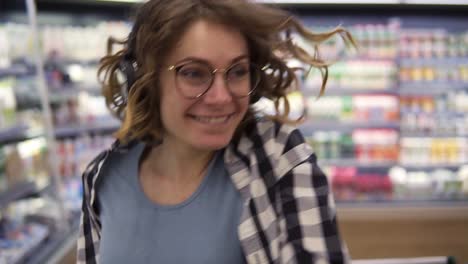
(194, 78)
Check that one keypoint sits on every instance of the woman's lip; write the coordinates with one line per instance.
(214, 121)
(210, 116)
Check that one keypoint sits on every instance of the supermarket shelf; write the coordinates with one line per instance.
(415, 88)
(368, 58)
(356, 163)
(433, 61)
(431, 135)
(411, 260)
(16, 192)
(422, 88)
(439, 114)
(388, 164)
(36, 245)
(387, 210)
(348, 91)
(72, 92)
(14, 71)
(312, 126)
(404, 203)
(54, 249)
(453, 166)
(76, 130)
(17, 133)
(91, 62)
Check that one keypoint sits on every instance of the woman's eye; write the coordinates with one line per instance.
(192, 73)
(238, 72)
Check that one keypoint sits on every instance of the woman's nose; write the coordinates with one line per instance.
(219, 91)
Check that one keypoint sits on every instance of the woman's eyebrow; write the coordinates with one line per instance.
(197, 59)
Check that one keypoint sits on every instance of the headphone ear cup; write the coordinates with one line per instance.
(128, 69)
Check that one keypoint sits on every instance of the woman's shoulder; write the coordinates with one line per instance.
(281, 133)
(277, 141)
(108, 160)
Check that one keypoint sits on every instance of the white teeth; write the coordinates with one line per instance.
(212, 120)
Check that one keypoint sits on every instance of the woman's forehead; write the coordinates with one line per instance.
(209, 41)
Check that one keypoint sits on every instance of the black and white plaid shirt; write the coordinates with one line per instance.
(289, 214)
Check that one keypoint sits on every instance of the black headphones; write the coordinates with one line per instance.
(128, 65)
(128, 69)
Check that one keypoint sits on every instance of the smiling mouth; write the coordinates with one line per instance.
(212, 120)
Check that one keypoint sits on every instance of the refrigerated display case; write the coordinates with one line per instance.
(403, 190)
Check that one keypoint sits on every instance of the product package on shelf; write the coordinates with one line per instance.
(365, 146)
(296, 106)
(434, 151)
(357, 74)
(352, 184)
(16, 241)
(71, 56)
(431, 185)
(74, 155)
(357, 108)
(7, 103)
(26, 226)
(372, 68)
(23, 162)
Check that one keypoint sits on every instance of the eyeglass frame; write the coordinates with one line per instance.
(177, 67)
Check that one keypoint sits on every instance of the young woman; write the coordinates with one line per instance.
(196, 176)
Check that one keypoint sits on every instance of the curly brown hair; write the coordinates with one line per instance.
(158, 27)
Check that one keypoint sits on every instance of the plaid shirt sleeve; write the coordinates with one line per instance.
(291, 213)
(308, 217)
(89, 232)
(87, 242)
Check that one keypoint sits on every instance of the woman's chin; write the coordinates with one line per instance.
(212, 143)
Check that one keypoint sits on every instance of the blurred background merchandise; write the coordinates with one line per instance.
(391, 130)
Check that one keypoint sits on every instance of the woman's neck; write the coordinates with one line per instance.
(178, 162)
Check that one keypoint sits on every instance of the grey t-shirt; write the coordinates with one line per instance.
(201, 230)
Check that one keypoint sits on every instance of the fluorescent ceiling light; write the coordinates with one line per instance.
(123, 1)
(329, 2)
(373, 2)
(436, 2)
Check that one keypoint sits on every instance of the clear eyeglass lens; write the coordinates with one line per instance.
(195, 78)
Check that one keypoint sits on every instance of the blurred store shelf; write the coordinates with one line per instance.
(16, 192)
(433, 60)
(108, 126)
(416, 260)
(403, 209)
(33, 245)
(72, 92)
(402, 203)
(357, 163)
(56, 247)
(432, 135)
(17, 70)
(311, 126)
(430, 88)
(439, 114)
(428, 166)
(307, 91)
(17, 133)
